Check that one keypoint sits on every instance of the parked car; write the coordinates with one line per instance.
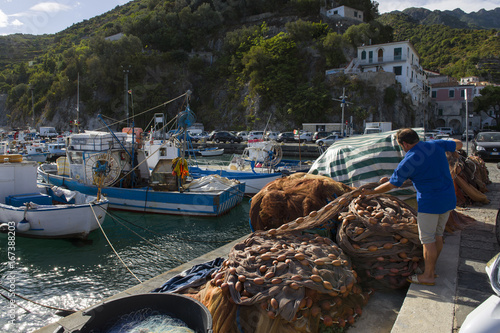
(286, 137)
(487, 145)
(224, 136)
(327, 141)
(445, 130)
(305, 136)
(320, 135)
(270, 135)
(470, 136)
(256, 135)
(243, 135)
(429, 136)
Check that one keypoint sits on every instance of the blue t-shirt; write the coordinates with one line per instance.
(427, 167)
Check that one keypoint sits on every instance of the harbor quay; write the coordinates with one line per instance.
(462, 284)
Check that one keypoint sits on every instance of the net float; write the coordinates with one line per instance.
(327, 321)
(327, 285)
(388, 246)
(265, 256)
(274, 303)
(269, 275)
(316, 278)
(263, 268)
(313, 213)
(372, 248)
(337, 263)
(258, 280)
(299, 220)
(281, 257)
(276, 281)
(242, 278)
(315, 310)
(300, 256)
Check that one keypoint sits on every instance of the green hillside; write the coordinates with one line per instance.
(246, 62)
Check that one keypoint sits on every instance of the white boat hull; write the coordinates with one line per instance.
(54, 221)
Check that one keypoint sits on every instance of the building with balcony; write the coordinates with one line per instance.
(399, 58)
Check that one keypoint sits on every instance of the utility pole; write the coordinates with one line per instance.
(343, 102)
(466, 123)
(126, 71)
(32, 107)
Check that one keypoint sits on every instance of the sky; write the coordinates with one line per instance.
(38, 17)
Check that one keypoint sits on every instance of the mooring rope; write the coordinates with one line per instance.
(113, 216)
(144, 239)
(66, 312)
(109, 242)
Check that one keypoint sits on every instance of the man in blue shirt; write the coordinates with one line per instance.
(426, 165)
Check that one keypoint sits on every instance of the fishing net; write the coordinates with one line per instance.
(283, 282)
(380, 234)
(150, 321)
(470, 177)
(288, 198)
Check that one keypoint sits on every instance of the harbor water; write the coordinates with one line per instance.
(77, 274)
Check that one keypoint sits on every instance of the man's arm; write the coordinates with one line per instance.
(458, 143)
(387, 186)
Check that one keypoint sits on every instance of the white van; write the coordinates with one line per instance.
(48, 132)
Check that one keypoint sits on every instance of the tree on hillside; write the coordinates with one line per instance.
(489, 101)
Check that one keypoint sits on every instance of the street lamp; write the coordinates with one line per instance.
(338, 25)
(343, 103)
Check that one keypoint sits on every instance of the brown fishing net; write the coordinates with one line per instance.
(470, 177)
(380, 235)
(287, 198)
(284, 282)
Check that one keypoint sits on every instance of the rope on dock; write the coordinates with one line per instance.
(109, 242)
(63, 312)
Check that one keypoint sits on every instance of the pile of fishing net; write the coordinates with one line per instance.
(470, 177)
(283, 282)
(380, 235)
(290, 197)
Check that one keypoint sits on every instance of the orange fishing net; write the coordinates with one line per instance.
(274, 282)
(287, 198)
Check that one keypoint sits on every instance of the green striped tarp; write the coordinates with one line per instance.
(363, 159)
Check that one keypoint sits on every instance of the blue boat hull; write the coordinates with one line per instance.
(148, 200)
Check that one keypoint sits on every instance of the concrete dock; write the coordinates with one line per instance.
(461, 286)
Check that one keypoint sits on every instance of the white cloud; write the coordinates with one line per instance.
(50, 7)
(17, 23)
(4, 20)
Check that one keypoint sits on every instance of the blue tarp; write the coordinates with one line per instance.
(193, 277)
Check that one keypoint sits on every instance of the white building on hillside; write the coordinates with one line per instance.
(399, 58)
(345, 12)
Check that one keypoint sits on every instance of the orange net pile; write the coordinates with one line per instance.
(380, 235)
(470, 177)
(284, 282)
(287, 198)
